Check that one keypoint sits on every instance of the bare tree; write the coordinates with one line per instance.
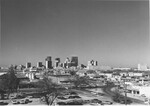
(50, 89)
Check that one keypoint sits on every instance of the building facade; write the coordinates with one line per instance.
(48, 61)
(28, 65)
(74, 61)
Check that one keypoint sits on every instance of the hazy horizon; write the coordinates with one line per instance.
(115, 33)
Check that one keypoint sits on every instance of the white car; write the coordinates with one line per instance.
(14, 101)
(143, 95)
(147, 101)
(12, 97)
(107, 102)
(94, 93)
(95, 104)
(22, 101)
(29, 97)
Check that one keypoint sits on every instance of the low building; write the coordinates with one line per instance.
(109, 75)
(139, 90)
(58, 79)
(81, 72)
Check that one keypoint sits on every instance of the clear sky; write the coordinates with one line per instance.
(115, 33)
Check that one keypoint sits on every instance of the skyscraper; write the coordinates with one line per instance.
(95, 63)
(74, 61)
(39, 64)
(28, 65)
(57, 62)
(67, 63)
(48, 62)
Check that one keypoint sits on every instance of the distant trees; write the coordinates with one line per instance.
(79, 81)
(9, 81)
(72, 72)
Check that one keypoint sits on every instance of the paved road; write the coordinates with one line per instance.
(108, 91)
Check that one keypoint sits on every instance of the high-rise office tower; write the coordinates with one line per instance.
(74, 61)
(64, 65)
(92, 62)
(48, 62)
(39, 64)
(67, 63)
(28, 65)
(95, 63)
(57, 62)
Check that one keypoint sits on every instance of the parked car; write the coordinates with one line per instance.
(146, 100)
(107, 103)
(94, 93)
(127, 101)
(61, 103)
(96, 101)
(14, 101)
(28, 100)
(22, 101)
(73, 93)
(73, 97)
(12, 97)
(122, 100)
(143, 95)
(3, 103)
(61, 97)
(42, 99)
(29, 97)
(86, 101)
(74, 102)
(95, 104)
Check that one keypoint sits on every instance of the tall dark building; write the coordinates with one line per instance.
(92, 62)
(74, 61)
(39, 64)
(48, 61)
(57, 62)
(95, 63)
(68, 63)
(49, 58)
(28, 65)
(57, 59)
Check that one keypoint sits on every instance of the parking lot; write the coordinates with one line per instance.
(94, 96)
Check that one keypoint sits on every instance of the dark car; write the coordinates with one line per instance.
(96, 101)
(61, 97)
(86, 101)
(107, 103)
(127, 101)
(61, 103)
(72, 97)
(101, 94)
(28, 100)
(122, 100)
(3, 103)
(74, 103)
(73, 93)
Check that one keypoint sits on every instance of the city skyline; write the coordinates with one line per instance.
(115, 33)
